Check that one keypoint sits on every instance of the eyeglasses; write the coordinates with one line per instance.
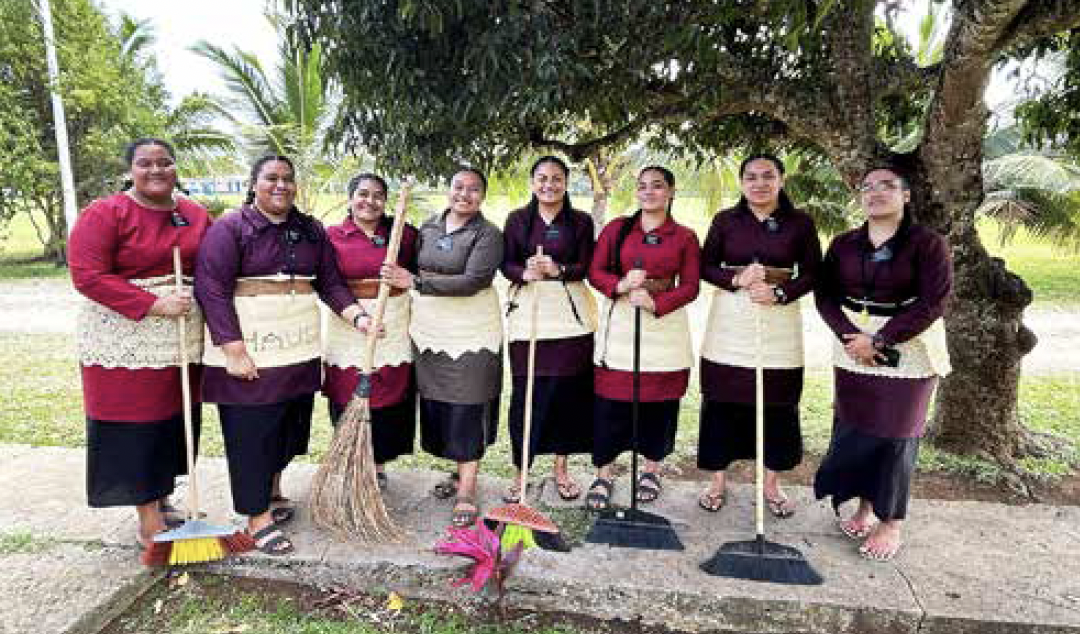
(888, 185)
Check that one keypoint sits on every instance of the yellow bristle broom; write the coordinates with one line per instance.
(345, 495)
(194, 541)
(520, 521)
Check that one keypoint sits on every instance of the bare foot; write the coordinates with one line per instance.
(883, 543)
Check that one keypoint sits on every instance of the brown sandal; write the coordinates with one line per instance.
(464, 518)
(712, 502)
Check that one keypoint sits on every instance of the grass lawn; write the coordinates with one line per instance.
(41, 404)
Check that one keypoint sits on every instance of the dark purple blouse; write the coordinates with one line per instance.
(568, 240)
(919, 268)
(737, 238)
(245, 243)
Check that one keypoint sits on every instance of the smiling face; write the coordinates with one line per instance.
(153, 172)
(368, 202)
(275, 188)
(466, 193)
(549, 183)
(883, 194)
(761, 182)
(653, 191)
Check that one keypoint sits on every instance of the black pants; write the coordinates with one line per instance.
(613, 433)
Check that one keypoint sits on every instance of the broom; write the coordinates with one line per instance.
(520, 521)
(345, 495)
(194, 541)
(632, 527)
(758, 559)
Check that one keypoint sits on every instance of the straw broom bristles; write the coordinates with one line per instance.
(345, 495)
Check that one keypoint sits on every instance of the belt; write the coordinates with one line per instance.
(880, 309)
(369, 288)
(251, 288)
(659, 284)
(773, 274)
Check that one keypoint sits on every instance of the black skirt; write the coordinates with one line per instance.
(727, 433)
(562, 416)
(457, 431)
(129, 464)
(260, 441)
(393, 428)
(613, 434)
(858, 465)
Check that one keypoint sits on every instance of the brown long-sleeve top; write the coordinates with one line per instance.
(461, 262)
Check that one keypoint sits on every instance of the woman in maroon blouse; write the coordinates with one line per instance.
(360, 244)
(645, 261)
(258, 273)
(761, 254)
(563, 391)
(882, 289)
(121, 259)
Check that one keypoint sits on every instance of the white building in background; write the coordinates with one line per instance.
(214, 186)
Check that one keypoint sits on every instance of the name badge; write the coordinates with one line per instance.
(378, 241)
(884, 254)
(551, 233)
(178, 220)
(445, 243)
(652, 239)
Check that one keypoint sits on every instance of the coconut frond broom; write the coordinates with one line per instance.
(345, 494)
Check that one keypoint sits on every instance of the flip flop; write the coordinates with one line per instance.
(512, 495)
(568, 491)
(712, 502)
(854, 531)
(599, 500)
(446, 488)
(270, 540)
(648, 487)
(464, 518)
(381, 480)
(780, 507)
(866, 554)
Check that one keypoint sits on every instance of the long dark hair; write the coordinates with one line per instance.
(257, 166)
(385, 221)
(783, 200)
(129, 159)
(628, 224)
(532, 209)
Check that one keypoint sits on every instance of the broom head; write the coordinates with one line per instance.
(760, 560)
(194, 542)
(634, 528)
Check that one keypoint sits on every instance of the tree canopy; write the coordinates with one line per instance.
(429, 83)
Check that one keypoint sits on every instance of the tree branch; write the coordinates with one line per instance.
(1039, 19)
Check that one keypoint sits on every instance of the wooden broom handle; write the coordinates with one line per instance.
(530, 380)
(185, 391)
(759, 422)
(392, 248)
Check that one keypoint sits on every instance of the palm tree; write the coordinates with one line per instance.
(1031, 187)
(288, 110)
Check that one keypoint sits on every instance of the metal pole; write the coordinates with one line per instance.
(67, 180)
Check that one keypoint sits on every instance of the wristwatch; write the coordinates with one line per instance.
(781, 296)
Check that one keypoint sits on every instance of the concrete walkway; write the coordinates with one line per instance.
(966, 567)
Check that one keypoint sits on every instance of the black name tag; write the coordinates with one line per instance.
(652, 239)
(551, 233)
(178, 220)
(378, 241)
(445, 243)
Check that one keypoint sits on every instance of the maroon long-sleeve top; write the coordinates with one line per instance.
(737, 238)
(668, 251)
(116, 240)
(245, 243)
(359, 257)
(920, 268)
(568, 240)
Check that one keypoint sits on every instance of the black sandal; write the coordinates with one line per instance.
(381, 480)
(599, 500)
(447, 487)
(648, 487)
(270, 540)
(464, 518)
